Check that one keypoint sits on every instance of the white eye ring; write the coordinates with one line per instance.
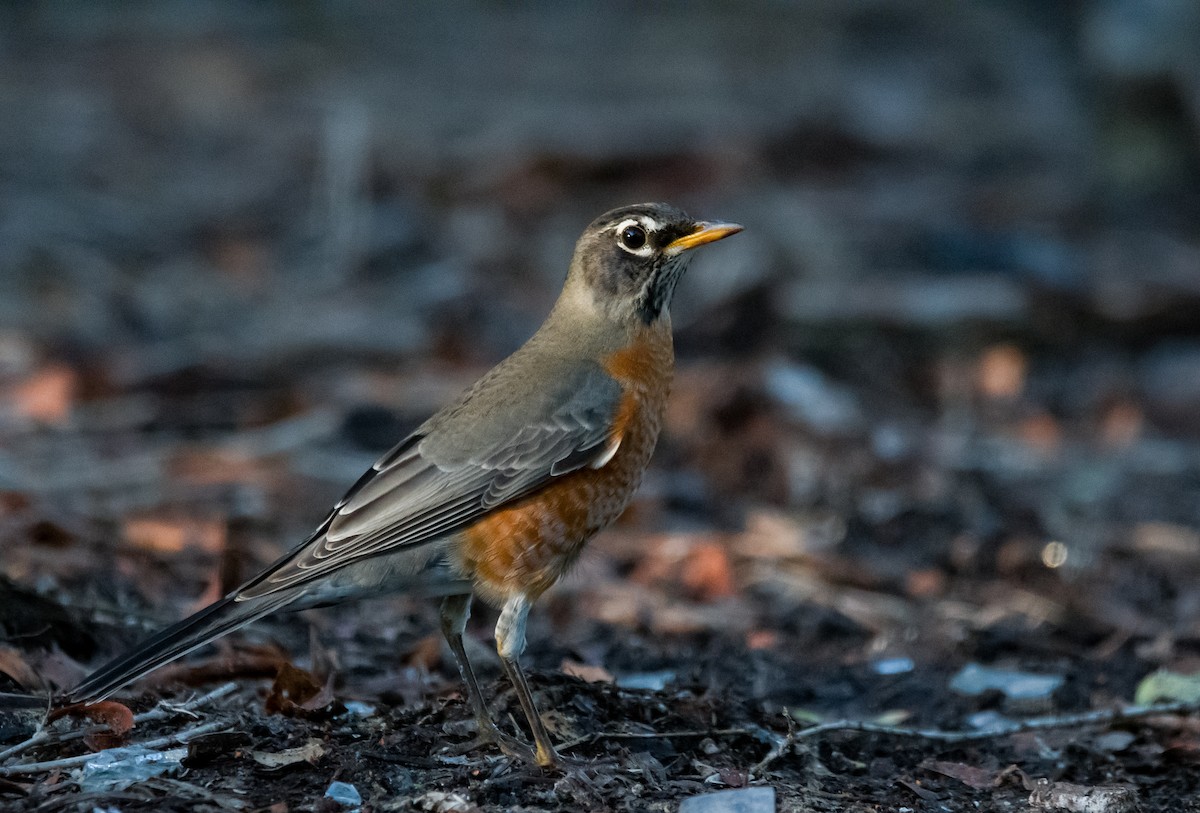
(630, 231)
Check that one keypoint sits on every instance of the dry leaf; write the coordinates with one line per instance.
(969, 775)
(13, 664)
(426, 653)
(1122, 424)
(1166, 538)
(310, 752)
(1042, 433)
(46, 396)
(586, 672)
(242, 662)
(772, 535)
(296, 691)
(174, 534)
(707, 572)
(762, 639)
(1001, 371)
(116, 716)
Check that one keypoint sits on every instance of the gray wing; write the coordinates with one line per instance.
(503, 440)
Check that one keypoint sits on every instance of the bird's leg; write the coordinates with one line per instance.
(510, 643)
(455, 612)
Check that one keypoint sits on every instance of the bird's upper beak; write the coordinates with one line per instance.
(703, 233)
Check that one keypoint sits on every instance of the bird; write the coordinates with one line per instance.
(494, 496)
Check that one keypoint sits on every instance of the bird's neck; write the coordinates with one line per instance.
(591, 329)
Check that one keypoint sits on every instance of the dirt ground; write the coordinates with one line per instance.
(931, 462)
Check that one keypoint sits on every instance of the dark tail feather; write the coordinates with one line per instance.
(175, 641)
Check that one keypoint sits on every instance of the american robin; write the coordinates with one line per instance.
(497, 494)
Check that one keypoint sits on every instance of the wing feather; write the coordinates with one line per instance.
(499, 443)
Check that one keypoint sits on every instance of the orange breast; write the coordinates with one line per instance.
(526, 546)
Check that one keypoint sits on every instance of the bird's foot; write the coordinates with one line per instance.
(549, 758)
(553, 759)
(490, 735)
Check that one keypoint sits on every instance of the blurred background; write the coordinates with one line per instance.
(941, 397)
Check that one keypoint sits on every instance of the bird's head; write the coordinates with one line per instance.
(628, 261)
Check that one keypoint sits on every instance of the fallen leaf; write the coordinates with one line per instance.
(13, 664)
(295, 691)
(116, 716)
(166, 534)
(925, 583)
(208, 466)
(242, 662)
(310, 752)
(1166, 538)
(762, 639)
(586, 672)
(323, 699)
(426, 653)
(1167, 686)
(1001, 371)
(46, 396)
(661, 560)
(1122, 424)
(103, 740)
(772, 535)
(56, 668)
(1041, 433)
(13, 502)
(1013, 775)
(707, 572)
(733, 778)
(969, 775)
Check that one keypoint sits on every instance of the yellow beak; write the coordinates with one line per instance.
(704, 233)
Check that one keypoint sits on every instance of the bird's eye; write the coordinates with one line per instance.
(633, 237)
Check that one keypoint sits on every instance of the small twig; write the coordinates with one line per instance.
(188, 790)
(1082, 719)
(79, 800)
(178, 738)
(165, 709)
(41, 734)
(159, 712)
(783, 745)
(655, 735)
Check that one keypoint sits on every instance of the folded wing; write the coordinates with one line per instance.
(449, 473)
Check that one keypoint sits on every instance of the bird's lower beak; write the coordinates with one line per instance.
(704, 233)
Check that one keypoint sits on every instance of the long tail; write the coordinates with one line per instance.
(176, 641)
